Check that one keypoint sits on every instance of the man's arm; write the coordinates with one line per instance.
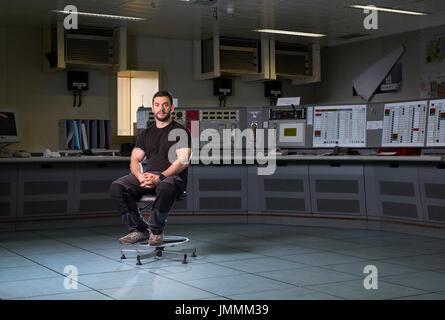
(182, 162)
(137, 155)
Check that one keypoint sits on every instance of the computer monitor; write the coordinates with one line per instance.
(8, 128)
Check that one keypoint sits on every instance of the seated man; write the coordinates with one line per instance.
(165, 174)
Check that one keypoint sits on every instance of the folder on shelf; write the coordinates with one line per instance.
(93, 133)
(107, 134)
(76, 135)
(101, 133)
(84, 137)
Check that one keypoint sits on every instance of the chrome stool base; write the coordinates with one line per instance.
(144, 251)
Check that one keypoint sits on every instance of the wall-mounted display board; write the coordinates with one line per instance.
(436, 124)
(404, 124)
(343, 126)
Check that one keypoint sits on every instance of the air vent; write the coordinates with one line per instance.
(353, 36)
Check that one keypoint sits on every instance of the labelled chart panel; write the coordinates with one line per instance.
(436, 124)
(404, 124)
(342, 126)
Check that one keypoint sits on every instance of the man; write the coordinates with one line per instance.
(167, 178)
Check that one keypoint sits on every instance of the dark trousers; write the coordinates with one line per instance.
(127, 191)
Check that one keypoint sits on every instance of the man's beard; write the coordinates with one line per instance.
(163, 119)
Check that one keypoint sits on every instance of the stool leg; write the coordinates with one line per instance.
(185, 259)
(139, 261)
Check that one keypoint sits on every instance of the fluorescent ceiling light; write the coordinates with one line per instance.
(98, 15)
(414, 13)
(294, 33)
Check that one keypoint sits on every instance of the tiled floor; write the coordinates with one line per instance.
(235, 261)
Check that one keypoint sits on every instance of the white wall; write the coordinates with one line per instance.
(340, 65)
(40, 99)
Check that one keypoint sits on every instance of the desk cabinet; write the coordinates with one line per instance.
(46, 189)
(220, 189)
(337, 189)
(8, 190)
(432, 190)
(92, 186)
(392, 191)
(286, 191)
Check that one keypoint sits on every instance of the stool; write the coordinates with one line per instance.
(144, 251)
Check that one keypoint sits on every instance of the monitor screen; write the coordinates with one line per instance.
(7, 124)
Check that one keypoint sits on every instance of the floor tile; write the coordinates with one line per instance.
(383, 268)
(286, 294)
(427, 262)
(161, 289)
(185, 272)
(279, 250)
(426, 296)
(321, 258)
(425, 280)
(36, 287)
(14, 261)
(354, 290)
(308, 276)
(237, 284)
(117, 279)
(88, 267)
(26, 273)
(376, 252)
(83, 295)
(261, 264)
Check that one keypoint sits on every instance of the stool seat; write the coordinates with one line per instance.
(147, 198)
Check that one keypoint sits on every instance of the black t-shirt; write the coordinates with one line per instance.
(154, 142)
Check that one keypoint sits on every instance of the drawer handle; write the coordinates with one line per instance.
(101, 165)
(394, 165)
(47, 166)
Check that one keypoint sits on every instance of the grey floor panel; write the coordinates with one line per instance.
(286, 294)
(36, 287)
(322, 258)
(383, 268)
(308, 276)
(425, 280)
(26, 273)
(355, 290)
(238, 284)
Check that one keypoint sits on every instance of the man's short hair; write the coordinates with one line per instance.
(163, 93)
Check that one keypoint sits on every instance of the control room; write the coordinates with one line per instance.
(222, 150)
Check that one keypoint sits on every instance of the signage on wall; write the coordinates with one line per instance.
(391, 83)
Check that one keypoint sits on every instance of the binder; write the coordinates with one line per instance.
(101, 133)
(93, 134)
(107, 134)
(84, 137)
(70, 134)
(76, 136)
(87, 130)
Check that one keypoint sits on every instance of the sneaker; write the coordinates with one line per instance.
(134, 237)
(156, 239)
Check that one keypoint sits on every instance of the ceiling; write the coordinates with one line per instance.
(234, 18)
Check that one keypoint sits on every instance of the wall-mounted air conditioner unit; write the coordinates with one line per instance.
(222, 56)
(86, 47)
(298, 62)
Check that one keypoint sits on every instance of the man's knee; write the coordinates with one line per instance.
(166, 189)
(116, 189)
